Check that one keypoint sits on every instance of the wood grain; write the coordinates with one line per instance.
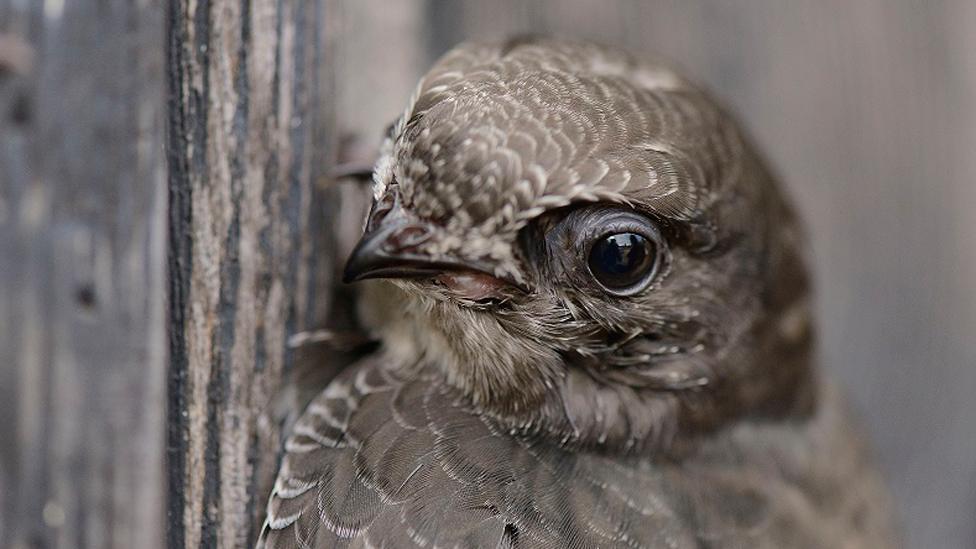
(251, 258)
(82, 277)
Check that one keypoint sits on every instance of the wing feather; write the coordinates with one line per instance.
(379, 461)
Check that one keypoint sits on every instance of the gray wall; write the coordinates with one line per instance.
(868, 110)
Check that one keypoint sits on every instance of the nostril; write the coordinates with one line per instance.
(407, 237)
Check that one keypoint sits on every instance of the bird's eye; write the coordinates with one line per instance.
(623, 263)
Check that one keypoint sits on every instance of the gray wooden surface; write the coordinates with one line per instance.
(251, 257)
(166, 227)
(82, 274)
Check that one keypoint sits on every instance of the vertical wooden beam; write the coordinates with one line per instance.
(82, 276)
(251, 248)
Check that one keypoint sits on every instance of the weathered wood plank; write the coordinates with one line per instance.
(82, 254)
(251, 247)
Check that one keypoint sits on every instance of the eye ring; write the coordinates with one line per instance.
(624, 261)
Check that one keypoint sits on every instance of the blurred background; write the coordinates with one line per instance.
(867, 109)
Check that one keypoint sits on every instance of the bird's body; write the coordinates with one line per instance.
(381, 460)
(597, 334)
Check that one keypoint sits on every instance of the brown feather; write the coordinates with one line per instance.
(555, 413)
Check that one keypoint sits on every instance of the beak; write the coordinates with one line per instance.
(390, 250)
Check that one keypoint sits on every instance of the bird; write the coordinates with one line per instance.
(595, 321)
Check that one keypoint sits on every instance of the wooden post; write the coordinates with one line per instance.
(251, 250)
(167, 225)
(82, 274)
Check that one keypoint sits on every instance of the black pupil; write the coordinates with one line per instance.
(621, 260)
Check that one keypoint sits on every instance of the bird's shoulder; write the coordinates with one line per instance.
(380, 460)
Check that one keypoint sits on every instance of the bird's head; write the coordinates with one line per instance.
(587, 247)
